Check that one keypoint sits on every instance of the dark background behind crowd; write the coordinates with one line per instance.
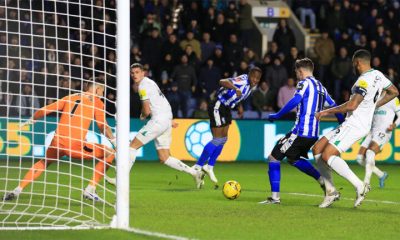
(188, 46)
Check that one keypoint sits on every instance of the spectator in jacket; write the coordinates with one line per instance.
(263, 99)
(276, 76)
(341, 68)
(245, 22)
(325, 50)
(185, 77)
(207, 47)
(202, 111)
(190, 40)
(209, 78)
(284, 37)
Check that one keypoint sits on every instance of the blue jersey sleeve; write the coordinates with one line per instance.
(289, 105)
(329, 102)
(240, 80)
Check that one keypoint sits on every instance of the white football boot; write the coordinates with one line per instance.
(270, 200)
(90, 194)
(198, 177)
(329, 199)
(210, 172)
(360, 195)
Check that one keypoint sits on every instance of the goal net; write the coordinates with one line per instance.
(60, 54)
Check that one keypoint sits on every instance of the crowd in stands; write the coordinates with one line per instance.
(188, 46)
(47, 49)
(209, 41)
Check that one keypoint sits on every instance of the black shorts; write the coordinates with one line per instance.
(293, 147)
(220, 115)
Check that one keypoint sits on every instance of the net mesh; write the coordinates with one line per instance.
(47, 51)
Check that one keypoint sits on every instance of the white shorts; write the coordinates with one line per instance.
(157, 130)
(379, 136)
(344, 136)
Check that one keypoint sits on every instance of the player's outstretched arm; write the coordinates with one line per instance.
(101, 121)
(226, 83)
(56, 106)
(331, 103)
(27, 123)
(287, 108)
(391, 92)
(348, 106)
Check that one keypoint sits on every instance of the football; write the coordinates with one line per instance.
(231, 190)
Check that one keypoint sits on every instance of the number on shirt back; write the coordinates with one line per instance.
(161, 94)
(376, 96)
(321, 100)
(75, 107)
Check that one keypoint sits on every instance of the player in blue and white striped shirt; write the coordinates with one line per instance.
(232, 92)
(310, 98)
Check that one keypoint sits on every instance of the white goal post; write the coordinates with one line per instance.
(55, 57)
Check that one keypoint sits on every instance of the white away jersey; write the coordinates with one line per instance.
(370, 85)
(159, 105)
(384, 115)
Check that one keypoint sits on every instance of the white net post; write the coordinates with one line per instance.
(49, 50)
(123, 43)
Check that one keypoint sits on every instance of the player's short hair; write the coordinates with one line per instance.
(305, 63)
(363, 55)
(94, 81)
(255, 69)
(137, 65)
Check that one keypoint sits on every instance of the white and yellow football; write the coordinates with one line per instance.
(231, 189)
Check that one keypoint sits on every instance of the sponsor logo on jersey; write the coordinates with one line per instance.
(300, 86)
(380, 112)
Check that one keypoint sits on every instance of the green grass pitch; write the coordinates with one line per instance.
(163, 200)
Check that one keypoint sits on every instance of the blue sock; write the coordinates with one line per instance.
(215, 154)
(307, 168)
(274, 172)
(207, 151)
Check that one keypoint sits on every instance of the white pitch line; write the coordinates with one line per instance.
(156, 234)
(134, 230)
(349, 199)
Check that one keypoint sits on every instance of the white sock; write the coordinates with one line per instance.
(210, 167)
(378, 172)
(17, 190)
(132, 157)
(360, 159)
(341, 167)
(326, 174)
(178, 165)
(275, 195)
(369, 165)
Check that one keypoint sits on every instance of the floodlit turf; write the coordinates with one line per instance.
(163, 200)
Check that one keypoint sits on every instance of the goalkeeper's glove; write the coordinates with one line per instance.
(113, 141)
(26, 123)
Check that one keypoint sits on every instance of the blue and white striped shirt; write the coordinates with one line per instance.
(314, 98)
(228, 96)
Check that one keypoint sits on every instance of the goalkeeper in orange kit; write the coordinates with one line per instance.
(77, 112)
